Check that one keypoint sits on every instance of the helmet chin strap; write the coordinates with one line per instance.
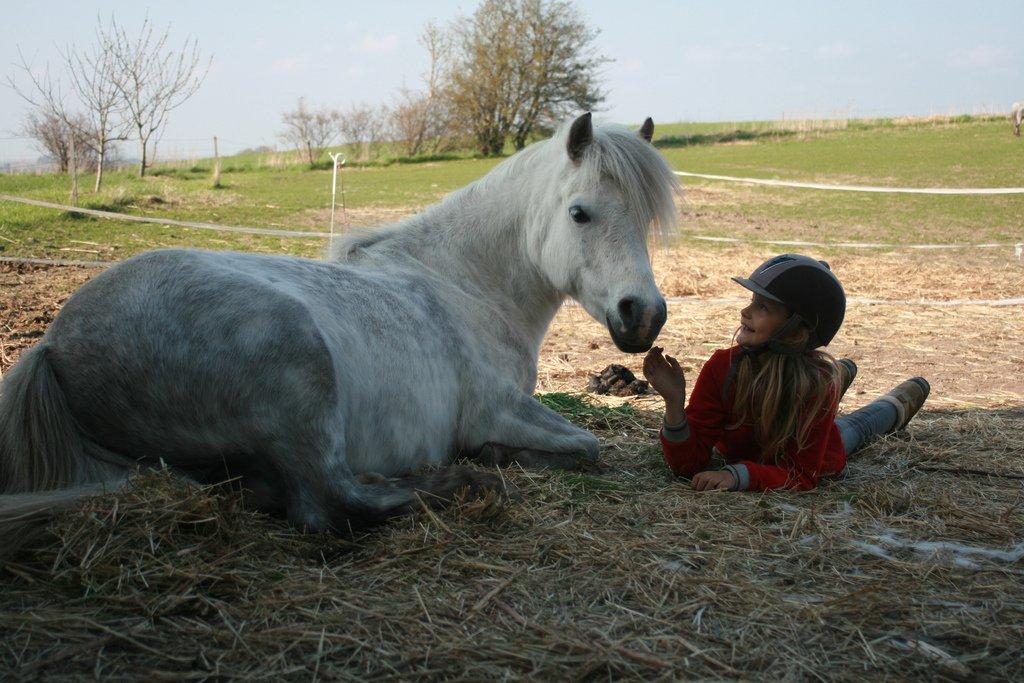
(775, 344)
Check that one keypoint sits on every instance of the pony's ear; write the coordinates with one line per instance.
(580, 135)
(647, 129)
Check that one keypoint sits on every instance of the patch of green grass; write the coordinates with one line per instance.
(967, 152)
(582, 487)
(977, 154)
(583, 413)
(283, 199)
(973, 154)
(574, 407)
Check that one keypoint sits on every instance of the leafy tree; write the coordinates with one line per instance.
(520, 66)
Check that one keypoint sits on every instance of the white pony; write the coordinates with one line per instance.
(324, 386)
(1017, 116)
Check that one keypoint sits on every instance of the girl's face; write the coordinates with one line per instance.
(759, 320)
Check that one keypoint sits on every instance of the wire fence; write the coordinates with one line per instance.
(309, 234)
(169, 151)
(113, 215)
(1018, 247)
(857, 188)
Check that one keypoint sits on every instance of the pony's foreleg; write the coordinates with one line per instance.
(500, 455)
(330, 497)
(372, 500)
(523, 431)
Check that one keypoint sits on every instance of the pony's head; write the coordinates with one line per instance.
(612, 188)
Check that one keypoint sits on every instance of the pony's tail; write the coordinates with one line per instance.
(46, 465)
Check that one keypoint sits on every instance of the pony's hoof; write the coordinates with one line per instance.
(590, 465)
(372, 478)
(465, 483)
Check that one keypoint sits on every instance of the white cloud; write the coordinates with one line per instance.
(287, 65)
(630, 65)
(980, 57)
(701, 55)
(373, 45)
(837, 50)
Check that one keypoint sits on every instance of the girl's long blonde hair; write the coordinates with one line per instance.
(782, 395)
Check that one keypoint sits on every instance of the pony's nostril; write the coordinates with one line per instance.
(627, 309)
(661, 314)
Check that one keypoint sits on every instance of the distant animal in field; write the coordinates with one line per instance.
(1017, 115)
(338, 393)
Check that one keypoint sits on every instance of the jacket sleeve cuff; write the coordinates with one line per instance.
(677, 432)
(741, 474)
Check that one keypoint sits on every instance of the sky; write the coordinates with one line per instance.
(674, 61)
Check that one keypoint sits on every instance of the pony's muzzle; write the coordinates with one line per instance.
(637, 324)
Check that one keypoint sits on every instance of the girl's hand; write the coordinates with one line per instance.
(665, 376)
(714, 480)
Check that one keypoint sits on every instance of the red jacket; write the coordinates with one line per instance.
(688, 447)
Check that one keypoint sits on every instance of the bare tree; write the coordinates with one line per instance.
(422, 121)
(94, 77)
(363, 125)
(151, 77)
(310, 131)
(519, 65)
(47, 95)
(52, 136)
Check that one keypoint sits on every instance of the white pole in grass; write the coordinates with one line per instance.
(334, 186)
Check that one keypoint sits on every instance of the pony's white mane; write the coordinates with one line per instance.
(639, 170)
(617, 153)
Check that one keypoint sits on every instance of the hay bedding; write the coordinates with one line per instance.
(624, 573)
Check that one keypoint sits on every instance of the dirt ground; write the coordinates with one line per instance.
(908, 566)
(970, 354)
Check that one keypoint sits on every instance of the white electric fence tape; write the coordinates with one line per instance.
(857, 188)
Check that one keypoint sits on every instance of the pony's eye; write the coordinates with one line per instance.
(578, 214)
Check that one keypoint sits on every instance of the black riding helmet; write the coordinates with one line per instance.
(810, 291)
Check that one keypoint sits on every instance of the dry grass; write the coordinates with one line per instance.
(700, 269)
(626, 573)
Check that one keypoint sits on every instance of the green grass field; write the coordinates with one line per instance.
(979, 153)
(962, 152)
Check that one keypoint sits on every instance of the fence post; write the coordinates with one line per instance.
(74, 168)
(216, 164)
(334, 185)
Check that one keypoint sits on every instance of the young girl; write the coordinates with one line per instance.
(767, 406)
